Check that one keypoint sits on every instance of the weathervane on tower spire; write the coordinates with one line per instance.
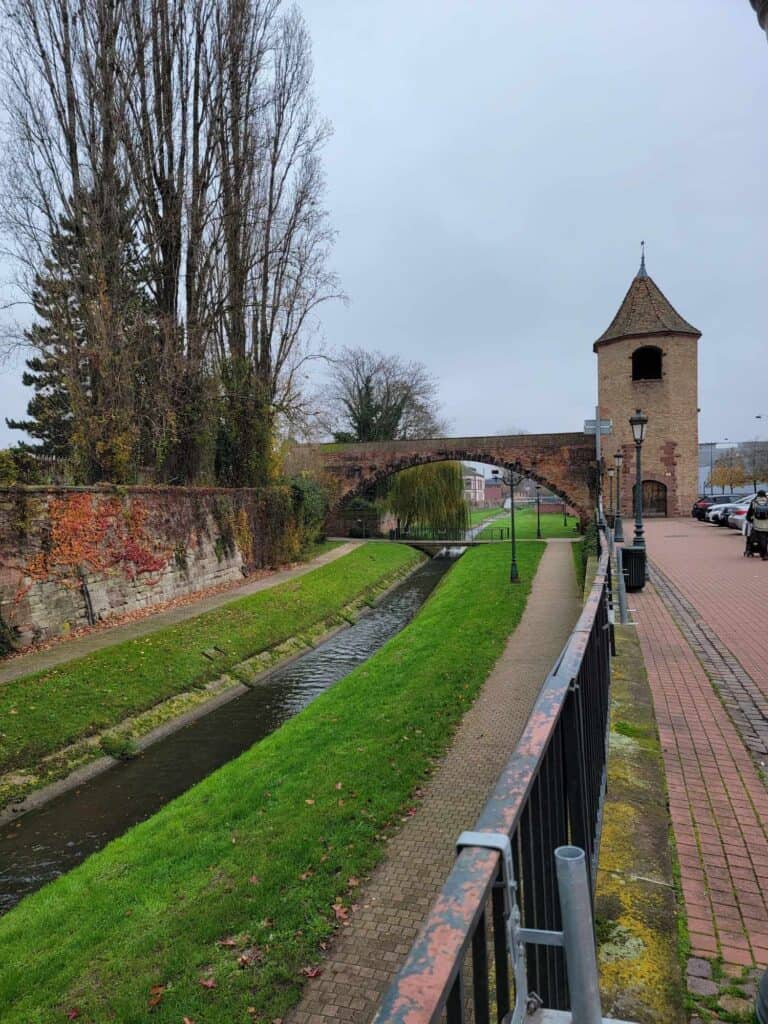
(641, 272)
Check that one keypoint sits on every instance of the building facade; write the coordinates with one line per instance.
(474, 486)
(648, 359)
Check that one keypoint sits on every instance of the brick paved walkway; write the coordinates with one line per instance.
(718, 800)
(393, 902)
(706, 564)
(38, 661)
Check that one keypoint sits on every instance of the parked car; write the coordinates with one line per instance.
(719, 513)
(737, 515)
(702, 504)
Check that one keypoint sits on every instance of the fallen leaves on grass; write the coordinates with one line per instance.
(311, 972)
(73, 1014)
(353, 882)
(309, 801)
(250, 957)
(156, 994)
(340, 911)
(208, 982)
(228, 943)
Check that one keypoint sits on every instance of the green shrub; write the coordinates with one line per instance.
(7, 638)
(589, 546)
(122, 748)
(8, 470)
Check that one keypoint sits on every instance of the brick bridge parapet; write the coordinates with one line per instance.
(564, 463)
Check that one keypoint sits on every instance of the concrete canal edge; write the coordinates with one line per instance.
(140, 732)
(638, 915)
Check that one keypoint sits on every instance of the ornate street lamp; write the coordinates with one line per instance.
(514, 575)
(638, 422)
(538, 512)
(618, 529)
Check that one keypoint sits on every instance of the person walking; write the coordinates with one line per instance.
(757, 516)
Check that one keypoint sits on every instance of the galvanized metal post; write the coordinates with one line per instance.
(620, 586)
(578, 935)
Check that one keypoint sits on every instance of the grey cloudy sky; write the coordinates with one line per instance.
(493, 169)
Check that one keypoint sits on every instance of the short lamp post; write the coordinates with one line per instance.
(538, 512)
(618, 529)
(514, 575)
(565, 514)
(611, 472)
(638, 422)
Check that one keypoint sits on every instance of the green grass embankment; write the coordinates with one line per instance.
(42, 713)
(525, 526)
(250, 863)
(479, 515)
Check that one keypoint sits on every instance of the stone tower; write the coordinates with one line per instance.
(648, 359)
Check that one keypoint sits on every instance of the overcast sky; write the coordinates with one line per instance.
(493, 169)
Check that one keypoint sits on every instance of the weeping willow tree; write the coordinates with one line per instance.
(431, 498)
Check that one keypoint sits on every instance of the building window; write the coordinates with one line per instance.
(646, 363)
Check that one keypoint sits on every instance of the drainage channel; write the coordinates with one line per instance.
(50, 841)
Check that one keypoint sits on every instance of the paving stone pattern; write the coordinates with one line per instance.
(718, 798)
(745, 701)
(366, 955)
(716, 992)
(707, 567)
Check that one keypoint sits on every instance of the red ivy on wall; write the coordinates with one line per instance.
(98, 536)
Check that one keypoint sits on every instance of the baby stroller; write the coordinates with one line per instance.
(751, 547)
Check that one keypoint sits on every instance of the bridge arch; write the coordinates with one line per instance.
(564, 463)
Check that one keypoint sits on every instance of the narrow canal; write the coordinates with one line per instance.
(46, 843)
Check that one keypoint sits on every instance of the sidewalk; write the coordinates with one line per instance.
(366, 955)
(38, 661)
(718, 800)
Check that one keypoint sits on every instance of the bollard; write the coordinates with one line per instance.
(578, 935)
(621, 586)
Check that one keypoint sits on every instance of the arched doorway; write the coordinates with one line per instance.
(654, 498)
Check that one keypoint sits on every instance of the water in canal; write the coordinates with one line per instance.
(45, 843)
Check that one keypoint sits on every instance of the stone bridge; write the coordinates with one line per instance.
(564, 463)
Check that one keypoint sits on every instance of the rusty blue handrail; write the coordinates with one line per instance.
(550, 792)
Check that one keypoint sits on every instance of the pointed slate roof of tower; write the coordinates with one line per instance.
(645, 310)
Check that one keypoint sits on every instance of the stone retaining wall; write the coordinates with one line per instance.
(72, 556)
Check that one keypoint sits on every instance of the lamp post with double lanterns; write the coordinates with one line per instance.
(638, 422)
(618, 529)
(514, 575)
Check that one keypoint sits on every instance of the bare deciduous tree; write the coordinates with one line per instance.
(186, 136)
(375, 397)
(276, 236)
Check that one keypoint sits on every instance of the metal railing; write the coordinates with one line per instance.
(492, 945)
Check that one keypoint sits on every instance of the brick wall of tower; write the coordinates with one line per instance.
(670, 451)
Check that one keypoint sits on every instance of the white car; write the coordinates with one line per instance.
(737, 514)
(719, 513)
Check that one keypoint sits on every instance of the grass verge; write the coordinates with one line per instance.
(42, 713)
(525, 526)
(479, 515)
(215, 908)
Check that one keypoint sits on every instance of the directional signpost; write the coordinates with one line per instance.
(598, 427)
